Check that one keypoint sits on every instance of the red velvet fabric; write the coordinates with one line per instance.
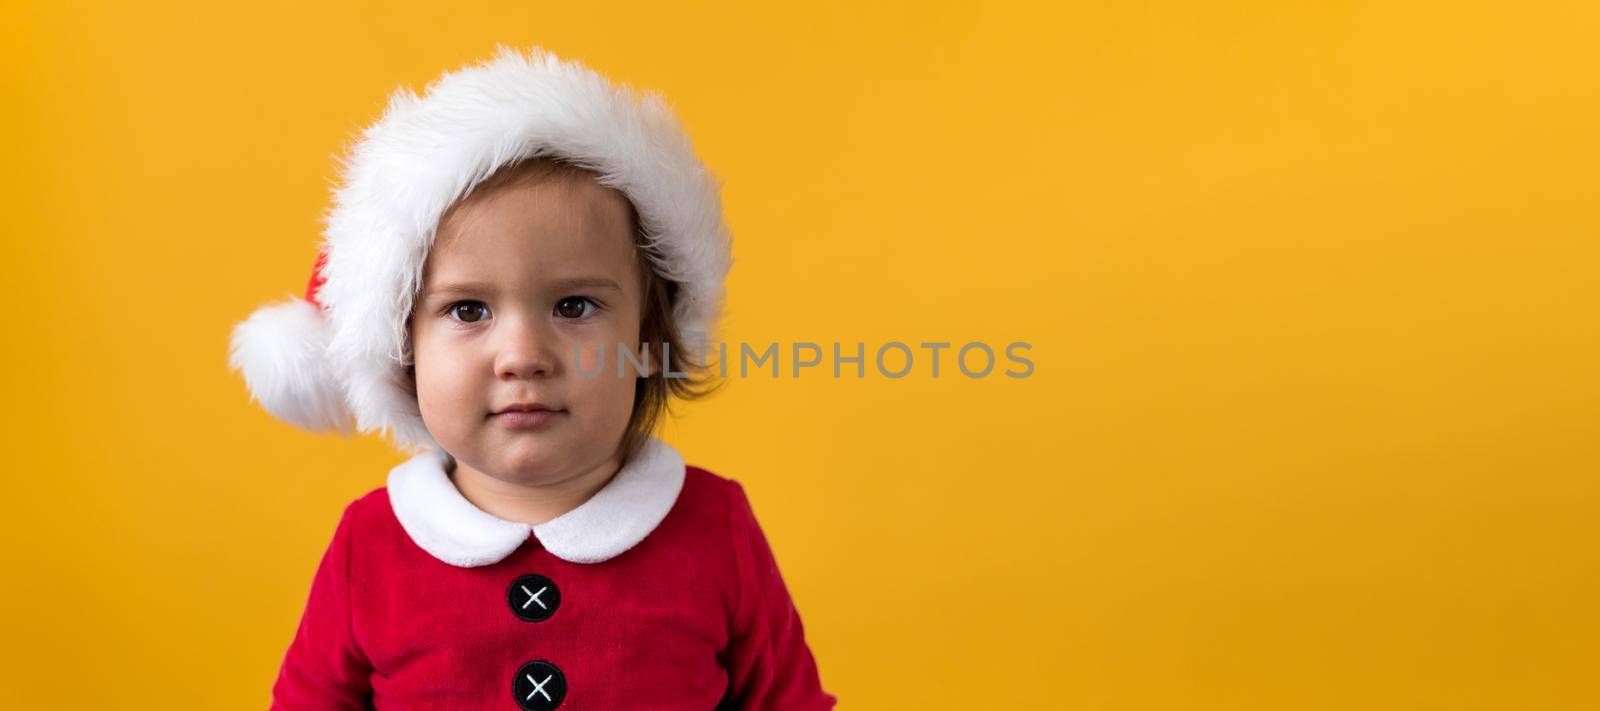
(695, 615)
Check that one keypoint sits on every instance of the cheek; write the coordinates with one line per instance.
(594, 356)
(609, 395)
(585, 357)
(618, 388)
(444, 386)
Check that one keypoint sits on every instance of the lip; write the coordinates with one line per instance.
(527, 415)
(534, 419)
(525, 407)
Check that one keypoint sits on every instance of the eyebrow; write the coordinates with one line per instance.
(479, 287)
(589, 282)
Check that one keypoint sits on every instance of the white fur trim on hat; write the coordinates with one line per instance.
(282, 352)
(426, 153)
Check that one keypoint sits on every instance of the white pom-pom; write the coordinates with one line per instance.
(282, 352)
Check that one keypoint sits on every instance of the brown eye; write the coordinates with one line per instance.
(468, 307)
(573, 307)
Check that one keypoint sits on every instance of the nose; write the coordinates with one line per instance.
(525, 348)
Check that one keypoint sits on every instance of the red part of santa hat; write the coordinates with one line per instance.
(316, 281)
(337, 357)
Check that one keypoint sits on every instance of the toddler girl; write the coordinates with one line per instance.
(511, 276)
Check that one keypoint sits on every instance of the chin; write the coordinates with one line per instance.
(530, 460)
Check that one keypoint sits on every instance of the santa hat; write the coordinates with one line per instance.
(337, 357)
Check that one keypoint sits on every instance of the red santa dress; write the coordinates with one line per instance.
(659, 592)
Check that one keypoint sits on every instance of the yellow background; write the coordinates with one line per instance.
(1311, 289)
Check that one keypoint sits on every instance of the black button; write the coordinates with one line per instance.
(539, 686)
(533, 597)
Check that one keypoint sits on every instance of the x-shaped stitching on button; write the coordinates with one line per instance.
(538, 687)
(533, 597)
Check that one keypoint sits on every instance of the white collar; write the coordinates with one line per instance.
(442, 522)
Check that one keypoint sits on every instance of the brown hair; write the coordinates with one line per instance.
(658, 330)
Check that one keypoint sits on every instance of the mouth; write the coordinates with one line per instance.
(527, 416)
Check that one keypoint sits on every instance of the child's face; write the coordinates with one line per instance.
(551, 267)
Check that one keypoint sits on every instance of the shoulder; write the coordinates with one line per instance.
(715, 506)
(710, 493)
(371, 534)
(369, 512)
(373, 504)
(709, 506)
